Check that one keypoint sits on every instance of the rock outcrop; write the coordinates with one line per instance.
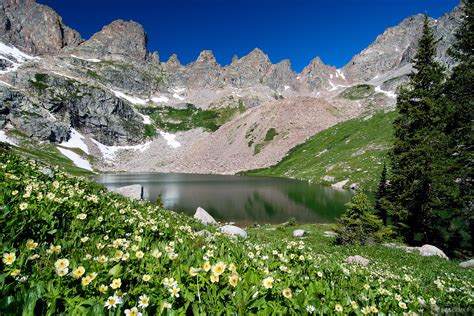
(358, 260)
(120, 40)
(35, 28)
(204, 217)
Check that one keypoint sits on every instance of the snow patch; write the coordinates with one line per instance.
(5, 83)
(76, 141)
(14, 56)
(389, 94)
(321, 152)
(92, 60)
(170, 139)
(340, 73)
(331, 76)
(4, 138)
(131, 99)
(160, 99)
(77, 160)
(178, 90)
(109, 152)
(335, 86)
(286, 87)
(146, 118)
(177, 96)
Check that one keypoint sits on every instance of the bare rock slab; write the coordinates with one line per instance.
(232, 230)
(358, 260)
(429, 250)
(134, 191)
(204, 217)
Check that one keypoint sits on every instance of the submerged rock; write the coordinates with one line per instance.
(134, 191)
(232, 230)
(204, 217)
(358, 260)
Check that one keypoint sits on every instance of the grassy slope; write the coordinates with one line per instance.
(353, 150)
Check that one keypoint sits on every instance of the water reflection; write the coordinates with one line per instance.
(238, 199)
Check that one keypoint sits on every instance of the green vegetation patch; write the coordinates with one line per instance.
(353, 150)
(271, 133)
(175, 120)
(69, 247)
(40, 82)
(358, 92)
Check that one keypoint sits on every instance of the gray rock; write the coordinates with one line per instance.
(232, 230)
(34, 28)
(120, 40)
(298, 233)
(46, 171)
(134, 191)
(358, 260)
(327, 178)
(330, 234)
(467, 264)
(354, 186)
(203, 232)
(248, 70)
(204, 217)
(429, 250)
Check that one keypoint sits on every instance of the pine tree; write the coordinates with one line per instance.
(359, 225)
(417, 140)
(458, 172)
(381, 195)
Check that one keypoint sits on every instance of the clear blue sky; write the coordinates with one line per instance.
(296, 29)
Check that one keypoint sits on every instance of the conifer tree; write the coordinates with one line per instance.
(381, 195)
(459, 162)
(416, 142)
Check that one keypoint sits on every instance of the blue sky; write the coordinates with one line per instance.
(296, 29)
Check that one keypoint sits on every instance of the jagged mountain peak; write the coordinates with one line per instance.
(206, 56)
(120, 40)
(173, 61)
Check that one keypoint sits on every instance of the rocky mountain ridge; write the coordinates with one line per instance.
(52, 82)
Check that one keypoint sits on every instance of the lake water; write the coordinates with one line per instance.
(240, 199)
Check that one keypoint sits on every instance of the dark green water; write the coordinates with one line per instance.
(240, 199)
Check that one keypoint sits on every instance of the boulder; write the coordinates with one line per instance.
(298, 233)
(134, 191)
(429, 250)
(467, 264)
(204, 217)
(232, 230)
(354, 186)
(330, 234)
(358, 260)
(327, 178)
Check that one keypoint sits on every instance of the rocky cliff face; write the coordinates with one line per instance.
(34, 28)
(102, 86)
(119, 41)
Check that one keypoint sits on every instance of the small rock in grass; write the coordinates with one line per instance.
(298, 233)
(429, 250)
(203, 232)
(232, 230)
(358, 260)
(330, 234)
(134, 191)
(204, 217)
(46, 171)
(467, 264)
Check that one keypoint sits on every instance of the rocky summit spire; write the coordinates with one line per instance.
(173, 61)
(120, 40)
(206, 56)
